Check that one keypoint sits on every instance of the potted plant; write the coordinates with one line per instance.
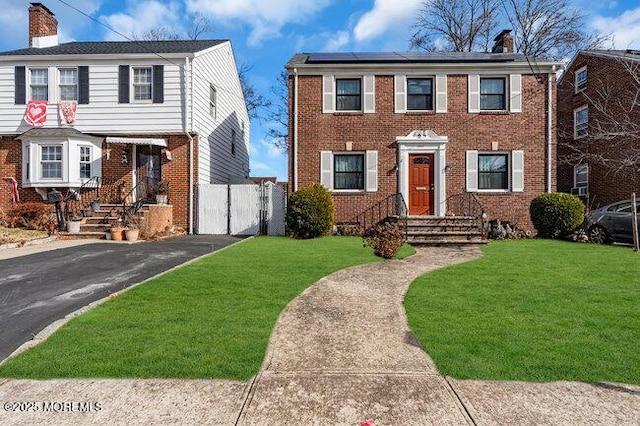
(73, 225)
(132, 227)
(162, 193)
(117, 232)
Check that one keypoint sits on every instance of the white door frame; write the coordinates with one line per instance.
(424, 142)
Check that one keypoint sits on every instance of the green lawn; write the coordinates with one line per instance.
(533, 310)
(210, 319)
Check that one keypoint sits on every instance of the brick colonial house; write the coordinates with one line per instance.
(430, 126)
(598, 126)
(129, 114)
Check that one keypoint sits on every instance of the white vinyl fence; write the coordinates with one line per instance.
(241, 209)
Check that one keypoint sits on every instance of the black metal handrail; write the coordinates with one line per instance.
(466, 204)
(76, 200)
(392, 207)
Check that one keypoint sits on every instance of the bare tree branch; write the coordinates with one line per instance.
(278, 114)
(199, 25)
(255, 101)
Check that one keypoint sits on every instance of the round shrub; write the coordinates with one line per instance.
(385, 239)
(556, 214)
(310, 212)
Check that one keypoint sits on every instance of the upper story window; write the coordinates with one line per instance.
(420, 94)
(51, 161)
(213, 100)
(142, 83)
(85, 162)
(348, 94)
(580, 122)
(581, 79)
(39, 83)
(68, 84)
(233, 142)
(492, 93)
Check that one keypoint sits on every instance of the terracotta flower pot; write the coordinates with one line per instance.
(117, 234)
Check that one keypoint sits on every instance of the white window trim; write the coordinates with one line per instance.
(41, 161)
(31, 85)
(32, 158)
(576, 85)
(80, 162)
(438, 93)
(513, 93)
(507, 96)
(133, 84)
(370, 171)
(515, 172)
(367, 93)
(575, 121)
(60, 85)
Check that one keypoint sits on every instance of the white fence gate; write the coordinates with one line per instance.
(241, 209)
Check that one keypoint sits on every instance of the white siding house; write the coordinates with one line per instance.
(155, 110)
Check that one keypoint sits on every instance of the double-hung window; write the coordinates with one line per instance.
(68, 84)
(420, 94)
(51, 161)
(492, 94)
(142, 83)
(85, 162)
(39, 83)
(581, 79)
(580, 122)
(348, 94)
(348, 171)
(493, 171)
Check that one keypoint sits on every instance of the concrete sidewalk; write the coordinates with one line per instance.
(341, 353)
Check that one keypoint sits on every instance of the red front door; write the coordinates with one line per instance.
(421, 184)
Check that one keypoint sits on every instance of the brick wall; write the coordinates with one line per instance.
(518, 131)
(176, 171)
(41, 23)
(603, 75)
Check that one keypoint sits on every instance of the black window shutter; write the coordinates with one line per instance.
(20, 86)
(123, 84)
(83, 85)
(158, 84)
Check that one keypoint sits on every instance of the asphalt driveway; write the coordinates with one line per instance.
(38, 289)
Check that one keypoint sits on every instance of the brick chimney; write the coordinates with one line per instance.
(503, 42)
(43, 26)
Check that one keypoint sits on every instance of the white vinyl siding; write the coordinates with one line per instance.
(369, 170)
(514, 171)
(216, 163)
(104, 114)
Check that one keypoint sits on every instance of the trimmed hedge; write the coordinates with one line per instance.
(310, 212)
(556, 214)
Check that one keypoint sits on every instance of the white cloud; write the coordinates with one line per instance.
(14, 24)
(143, 16)
(337, 41)
(266, 18)
(624, 28)
(386, 14)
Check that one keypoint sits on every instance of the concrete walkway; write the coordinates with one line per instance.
(341, 353)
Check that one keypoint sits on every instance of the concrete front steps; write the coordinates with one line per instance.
(98, 224)
(443, 230)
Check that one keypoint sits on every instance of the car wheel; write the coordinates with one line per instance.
(598, 235)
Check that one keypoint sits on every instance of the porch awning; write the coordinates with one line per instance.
(136, 141)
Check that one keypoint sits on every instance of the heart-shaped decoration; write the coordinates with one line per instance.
(36, 113)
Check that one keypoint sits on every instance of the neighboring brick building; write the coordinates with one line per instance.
(426, 125)
(599, 126)
(129, 114)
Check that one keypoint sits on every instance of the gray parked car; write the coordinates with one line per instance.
(612, 223)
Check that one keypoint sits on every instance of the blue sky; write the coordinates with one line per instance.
(266, 33)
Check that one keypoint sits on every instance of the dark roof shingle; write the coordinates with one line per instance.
(118, 47)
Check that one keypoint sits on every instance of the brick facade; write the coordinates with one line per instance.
(378, 131)
(175, 171)
(606, 73)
